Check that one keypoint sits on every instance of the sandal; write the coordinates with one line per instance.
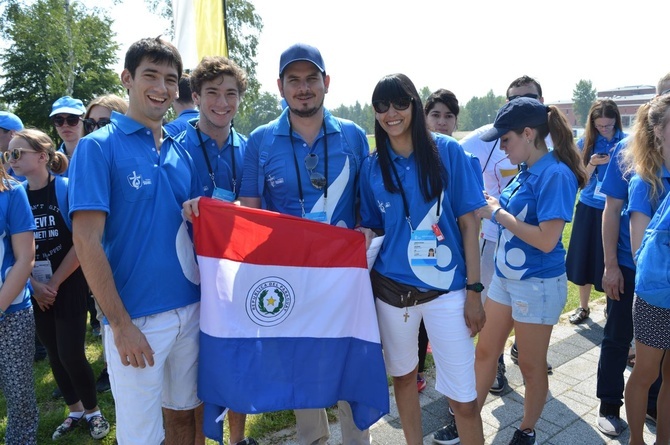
(580, 315)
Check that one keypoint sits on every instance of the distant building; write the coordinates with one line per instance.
(628, 99)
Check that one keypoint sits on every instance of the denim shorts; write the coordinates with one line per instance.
(533, 300)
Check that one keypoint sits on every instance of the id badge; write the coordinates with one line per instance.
(223, 195)
(42, 271)
(423, 246)
(317, 216)
(597, 194)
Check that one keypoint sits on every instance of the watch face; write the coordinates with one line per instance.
(477, 287)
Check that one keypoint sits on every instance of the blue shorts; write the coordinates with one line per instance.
(533, 300)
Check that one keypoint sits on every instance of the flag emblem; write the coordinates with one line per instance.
(270, 301)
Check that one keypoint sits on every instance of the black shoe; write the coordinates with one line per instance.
(102, 384)
(500, 381)
(514, 354)
(523, 437)
(56, 393)
(447, 435)
(247, 441)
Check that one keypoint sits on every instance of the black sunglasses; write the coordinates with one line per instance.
(531, 95)
(90, 125)
(72, 120)
(317, 179)
(382, 106)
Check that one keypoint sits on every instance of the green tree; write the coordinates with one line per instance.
(583, 97)
(480, 111)
(243, 29)
(259, 112)
(56, 49)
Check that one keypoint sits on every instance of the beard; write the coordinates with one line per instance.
(307, 112)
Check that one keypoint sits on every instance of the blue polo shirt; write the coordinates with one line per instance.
(118, 170)
(639, 194)
(543, 192)
(381, 209)
(601, 146)
(15, 217)
(221, 160)
(271, 171)
(652, 278)
(180, 124)
(615, 185)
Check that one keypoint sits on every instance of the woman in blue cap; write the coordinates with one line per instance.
(529, 288)
(648, 156)
(419, 190)
(67, 116)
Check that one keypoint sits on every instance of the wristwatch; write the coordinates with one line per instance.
(475, 287)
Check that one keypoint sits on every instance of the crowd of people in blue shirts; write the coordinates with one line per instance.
(472, 242)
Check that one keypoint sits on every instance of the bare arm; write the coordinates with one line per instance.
(23, 245)
(638, 224)
(473, 311)
(87, 229)
(612, 278)
(543, 237)
(69, 264)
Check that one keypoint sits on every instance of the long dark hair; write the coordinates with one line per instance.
(601, 108)
(432, 175)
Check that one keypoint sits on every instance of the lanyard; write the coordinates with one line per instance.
(405, 205)
(209, 165)
(297, 167)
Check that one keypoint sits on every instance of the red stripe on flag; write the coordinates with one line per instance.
(254, 236)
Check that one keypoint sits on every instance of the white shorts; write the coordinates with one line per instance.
(453, 348)
(487, 251)
(140, 393)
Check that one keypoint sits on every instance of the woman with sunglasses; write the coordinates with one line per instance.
(529, 289)
(419, 190)
(648, 157)
(585, 262)
(17, 325)
(99, 110)
(66, 115)
(59, 286)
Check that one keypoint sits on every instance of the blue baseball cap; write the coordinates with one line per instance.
(301, 51)
(517, 114)
(10, 121)
(68, 105)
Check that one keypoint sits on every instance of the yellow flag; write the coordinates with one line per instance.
(199, 29)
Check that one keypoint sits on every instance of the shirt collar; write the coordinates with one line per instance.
(541, 164)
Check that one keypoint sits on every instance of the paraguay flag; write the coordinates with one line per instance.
(287, 316)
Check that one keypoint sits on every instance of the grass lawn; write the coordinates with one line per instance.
(52, 412)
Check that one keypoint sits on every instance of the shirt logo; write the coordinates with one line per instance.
(136, 180)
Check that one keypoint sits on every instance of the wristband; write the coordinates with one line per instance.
(493, 215)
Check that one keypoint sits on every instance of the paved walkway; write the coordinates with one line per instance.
(568, 417)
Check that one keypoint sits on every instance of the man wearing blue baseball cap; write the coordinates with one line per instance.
(67, 116)
(327, 151)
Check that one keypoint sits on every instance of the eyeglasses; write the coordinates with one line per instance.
(91, 125)
(15, 154)
(72, 120)
(317, 179)
(382, 106)
(604, 127)
(665, 92)
(531, 95)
